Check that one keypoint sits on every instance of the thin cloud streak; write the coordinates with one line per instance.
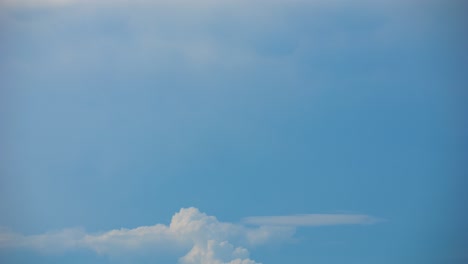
(311, 220)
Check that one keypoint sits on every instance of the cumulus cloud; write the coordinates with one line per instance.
(207, 240)
(202, 238)
(214, 252)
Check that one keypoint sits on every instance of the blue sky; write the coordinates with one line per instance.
(233, 131)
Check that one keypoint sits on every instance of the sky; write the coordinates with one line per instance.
(233, 132)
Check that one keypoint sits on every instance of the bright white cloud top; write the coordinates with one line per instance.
(203, 238)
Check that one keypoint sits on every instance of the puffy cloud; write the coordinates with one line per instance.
(214, 252)
(207, 240)
(203, 238)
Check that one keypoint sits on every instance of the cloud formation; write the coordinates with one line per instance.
(207, 240)
(203, 238)
(200, 38)
(311, 220)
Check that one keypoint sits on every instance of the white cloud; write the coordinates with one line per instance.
(207, 240)
(214, 252)
(203, 238)
(311, 220)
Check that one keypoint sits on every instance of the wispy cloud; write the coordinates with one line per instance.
(311, 220)
(203, 238)
(127, 37)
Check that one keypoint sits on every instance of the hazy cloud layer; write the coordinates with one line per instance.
(140, 36)
(202, 238)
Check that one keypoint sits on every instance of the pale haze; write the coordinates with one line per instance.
(233, 132)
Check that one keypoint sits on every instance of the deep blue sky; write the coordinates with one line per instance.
(119, 114)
